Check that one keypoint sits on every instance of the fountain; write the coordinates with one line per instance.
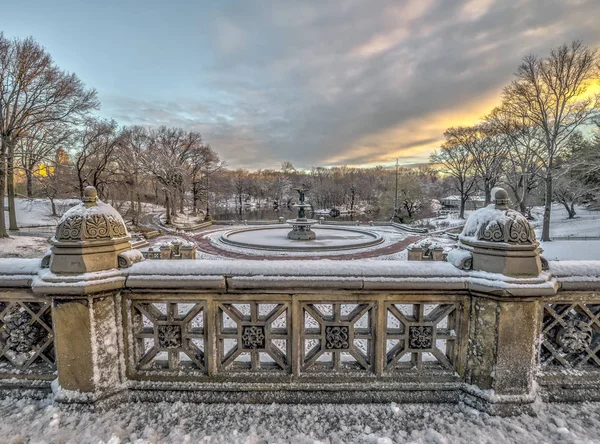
(301, 240)
(301, 225)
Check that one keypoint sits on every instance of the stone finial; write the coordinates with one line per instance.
(501, 198)
(500, 240)
(89, 237)
(90, 196)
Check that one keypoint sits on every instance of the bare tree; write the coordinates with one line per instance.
(58, 180)
(241, 186)
(35, 150)
(486, 151)
(167, 159)
(33, 92)
(204, 162)
(458, 163)
(135, 143)
(97, 144)
(522, 167)
(570, 191)
(551, 93)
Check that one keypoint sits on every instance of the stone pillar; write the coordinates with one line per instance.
(437, 254)
(88, 346)
(415, 254)
(504, 313)
(502, 355)
(165, 251)
(90, 250)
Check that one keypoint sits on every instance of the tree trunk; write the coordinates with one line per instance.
(81, 187)
(53, 205)
(139, 204)
(488, 193)
(132, 208)
(461, 214)
(167, 206)
(10, 188)
(572, 212)
(3, 232)
(29, 177)
(194, 198)
(547, 208)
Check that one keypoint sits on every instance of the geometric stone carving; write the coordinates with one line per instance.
(90, 220)
(500, 240)
(168, 336)
(513, 227)
(89, 237)
(421, 336)
(575, 336)
(26, 338)
(253, 336)
(337, 336)
(570, 335)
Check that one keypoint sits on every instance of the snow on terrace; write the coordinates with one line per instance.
(27, 420)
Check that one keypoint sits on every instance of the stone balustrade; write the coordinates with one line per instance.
(304, 331)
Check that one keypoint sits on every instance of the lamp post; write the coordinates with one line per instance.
(207, 215)
(396, 216)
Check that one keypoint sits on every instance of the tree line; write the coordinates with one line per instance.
(533, 138)
(49, 135)
(532, 143)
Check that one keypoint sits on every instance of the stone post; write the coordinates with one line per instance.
(504, 312)
(187, 251)
(415, 254)
(165, 251)
(84, 282)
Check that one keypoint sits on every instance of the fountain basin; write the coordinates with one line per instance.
(301, 229)
(275, 238)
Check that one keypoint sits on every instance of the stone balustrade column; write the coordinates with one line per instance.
(91, 250)
(498, 247)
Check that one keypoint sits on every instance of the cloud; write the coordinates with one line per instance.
(353, 82)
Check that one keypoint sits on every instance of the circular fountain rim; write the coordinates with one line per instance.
(377, 239)
(302, 221)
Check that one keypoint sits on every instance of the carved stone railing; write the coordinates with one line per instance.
(300, 335)
(337, 331)
(496, 327)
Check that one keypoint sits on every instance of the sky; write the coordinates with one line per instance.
(319, 82)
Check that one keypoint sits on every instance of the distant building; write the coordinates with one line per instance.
(453, 203)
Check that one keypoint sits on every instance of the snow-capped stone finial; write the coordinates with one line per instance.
(501, 198)
(498, 240)
(90, 196)
(91, 236)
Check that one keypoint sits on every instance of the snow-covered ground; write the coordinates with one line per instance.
(24, 246)
(571, 250)
(25, 420)
(586, 223)
(38, 212)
